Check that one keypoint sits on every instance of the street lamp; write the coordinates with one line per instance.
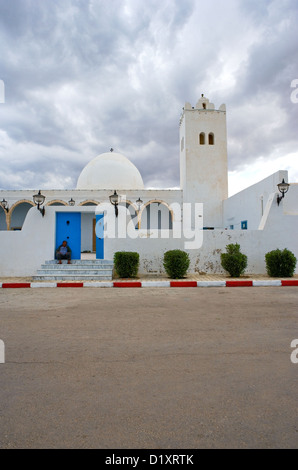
(283, 189)
(38, 200)
(114, 200)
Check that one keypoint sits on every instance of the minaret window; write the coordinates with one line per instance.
(211, 138)
(202, 138)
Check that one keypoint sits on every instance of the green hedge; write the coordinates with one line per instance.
(126, 263)
(280, 263)
(234, 261)
(176, 263)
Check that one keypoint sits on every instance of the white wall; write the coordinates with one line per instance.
(151, 251)
(250, 204)
(22, 252)
(280, 231)
(254, 243)
(290, 201)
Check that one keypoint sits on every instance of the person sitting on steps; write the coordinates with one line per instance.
(63, 252)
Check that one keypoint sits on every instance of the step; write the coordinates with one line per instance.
(89, 270)
(82, 262)
(77, 272)
(72, 277)
(68, 267)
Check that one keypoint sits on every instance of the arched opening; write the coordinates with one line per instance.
(133, 214)
(156, 215)
(202, 138)
(18, 214)
(3, 225)
(89, 203)
(211, 138)
(56, 203)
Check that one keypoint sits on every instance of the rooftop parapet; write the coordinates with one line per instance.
(203, 104)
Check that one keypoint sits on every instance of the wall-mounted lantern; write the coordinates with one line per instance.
(4, 204)
(71, 202)
(114, 200)
(38, 200)
(139, 203)
(283, 189)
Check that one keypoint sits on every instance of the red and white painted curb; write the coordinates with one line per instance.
(123, 284)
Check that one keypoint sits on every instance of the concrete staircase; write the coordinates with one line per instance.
(78, 270)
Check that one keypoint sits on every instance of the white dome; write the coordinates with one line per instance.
(110, 170)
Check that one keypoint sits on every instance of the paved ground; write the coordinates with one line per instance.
(149, 368)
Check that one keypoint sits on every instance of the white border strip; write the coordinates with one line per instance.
(211, 284)
(156, 283)
(266, 283)
(98, 284)
(43, 284)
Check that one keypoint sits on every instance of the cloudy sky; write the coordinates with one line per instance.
(82, 76)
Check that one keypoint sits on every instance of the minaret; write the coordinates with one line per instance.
(203, 158)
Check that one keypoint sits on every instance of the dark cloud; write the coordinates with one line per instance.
(83, 76)
(262, 99)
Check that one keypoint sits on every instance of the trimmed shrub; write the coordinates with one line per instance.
(234, 261)
(176, 263)
(126, 263)
(280, 263)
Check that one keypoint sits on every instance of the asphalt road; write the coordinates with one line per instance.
(162, 368)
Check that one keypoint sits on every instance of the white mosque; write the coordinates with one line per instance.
(33, 223)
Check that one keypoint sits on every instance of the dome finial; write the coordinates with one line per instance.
(111, 149)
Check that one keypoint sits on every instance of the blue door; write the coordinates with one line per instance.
(68, 227)
(99, 232)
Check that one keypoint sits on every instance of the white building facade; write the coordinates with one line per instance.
(199, 217)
